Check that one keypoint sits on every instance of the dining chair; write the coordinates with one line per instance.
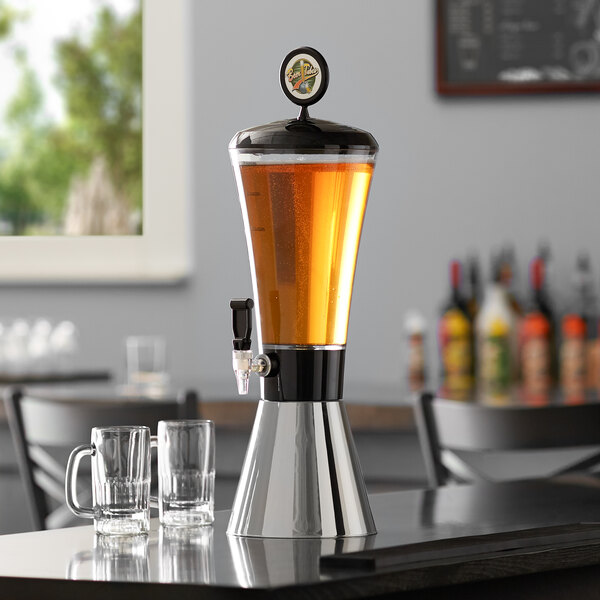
(45, 426)
(450, 430)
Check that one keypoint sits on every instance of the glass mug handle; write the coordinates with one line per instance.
(71, 481)
(154, 444)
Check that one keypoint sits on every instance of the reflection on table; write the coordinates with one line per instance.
(112, 559)
(186, 555)
(271, 562)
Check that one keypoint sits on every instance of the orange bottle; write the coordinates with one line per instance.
(573, 356)
(536, 365)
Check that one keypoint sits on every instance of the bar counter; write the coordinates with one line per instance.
(207, 563)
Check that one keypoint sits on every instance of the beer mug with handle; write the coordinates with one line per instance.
(120, 480)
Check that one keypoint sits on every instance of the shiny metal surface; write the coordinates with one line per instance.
(232, 564)
(301, 476)
(272, 562)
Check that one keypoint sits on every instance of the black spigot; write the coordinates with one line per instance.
(242, 322)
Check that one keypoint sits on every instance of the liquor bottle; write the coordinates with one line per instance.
(539, 300)
(573, 356)
(455, 338)
(415, 328)
(585, 305)
(545, 253)
(535, 353)
(585, 297)
(508, 276)
(474, 277)
(496, 338)
(538, 308)
(593, 362)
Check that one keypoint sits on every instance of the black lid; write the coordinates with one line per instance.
(308, 135)
(304, 77)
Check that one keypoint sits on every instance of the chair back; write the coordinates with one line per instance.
(448, 427)
(40, 423)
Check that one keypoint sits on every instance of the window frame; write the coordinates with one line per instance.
(162, 253)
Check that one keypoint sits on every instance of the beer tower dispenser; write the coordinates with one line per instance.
(303, 185)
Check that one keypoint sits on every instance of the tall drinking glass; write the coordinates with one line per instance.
(186, 472)
(147, 362)
(120, 480)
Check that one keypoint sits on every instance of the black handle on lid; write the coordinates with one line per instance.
(242, 322)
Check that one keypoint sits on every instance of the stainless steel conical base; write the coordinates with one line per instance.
(301, 477)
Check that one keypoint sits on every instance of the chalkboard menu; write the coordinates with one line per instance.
(517, 46)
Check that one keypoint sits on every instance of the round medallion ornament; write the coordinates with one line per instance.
(304, 76)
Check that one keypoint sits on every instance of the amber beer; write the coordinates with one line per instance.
(305, 222)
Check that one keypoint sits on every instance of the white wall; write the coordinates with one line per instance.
(452, 175)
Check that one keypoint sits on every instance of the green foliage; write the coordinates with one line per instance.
(102, 85)
(17, 204)
(24, 110)
(15, 199)
(100, 79)
(8, 17)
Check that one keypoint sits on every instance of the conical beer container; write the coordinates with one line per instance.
(303, 185)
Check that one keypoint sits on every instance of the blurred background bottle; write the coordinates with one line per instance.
(455, 338)
(539, 299)
(535, 353)
(475, 292)
(508, 276)
(537, 343)
(544, 252)
(572, 356)
(507, 336)
(496, 336)
(587, 307)
(584, 293)
(415, 328)
(580, 331)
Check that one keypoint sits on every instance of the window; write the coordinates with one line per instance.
(152, 243)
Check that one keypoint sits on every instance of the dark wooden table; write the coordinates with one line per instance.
(56, 377)
(73, 563)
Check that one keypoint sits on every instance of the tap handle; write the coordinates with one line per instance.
(242, 322)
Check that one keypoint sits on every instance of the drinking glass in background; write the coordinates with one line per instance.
(15, 344)
(186, 472)
(120, 480)
(37, 346)
(64, 345)
(146, 362)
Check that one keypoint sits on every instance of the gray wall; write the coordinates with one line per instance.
(451, 176)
